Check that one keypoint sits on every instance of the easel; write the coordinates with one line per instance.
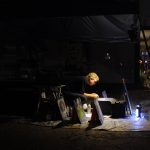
(51, 99)
(126, 97)
(57, 91)
(125, 94)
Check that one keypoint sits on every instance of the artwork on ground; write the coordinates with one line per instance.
(98, 111)
(80, 111)
(63, 109)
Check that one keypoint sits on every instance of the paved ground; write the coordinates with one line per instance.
(29, 137)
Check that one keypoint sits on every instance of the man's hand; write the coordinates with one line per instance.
(94, 95)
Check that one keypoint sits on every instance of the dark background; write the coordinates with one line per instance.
(40, 43)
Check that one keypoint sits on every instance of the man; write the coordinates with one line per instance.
(81, 86)
(90, 80)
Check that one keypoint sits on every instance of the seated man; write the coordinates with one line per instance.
(82, 87)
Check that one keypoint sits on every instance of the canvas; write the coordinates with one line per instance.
(80, 111)
(63, 109)
(97, 108)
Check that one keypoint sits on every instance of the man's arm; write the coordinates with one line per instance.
(91, 95)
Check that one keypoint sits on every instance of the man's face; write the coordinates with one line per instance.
(91, 81)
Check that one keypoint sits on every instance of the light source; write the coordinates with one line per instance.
(138, 110)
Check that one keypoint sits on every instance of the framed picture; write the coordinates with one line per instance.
(63, 109)
(80, 111)
(97, 112)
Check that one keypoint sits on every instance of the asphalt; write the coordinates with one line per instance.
(29, 137)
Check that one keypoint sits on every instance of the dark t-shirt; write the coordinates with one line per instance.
(79, 85)
(87, 88)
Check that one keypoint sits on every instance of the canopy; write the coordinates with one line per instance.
(110, 28)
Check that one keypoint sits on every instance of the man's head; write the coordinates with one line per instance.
(92, 78)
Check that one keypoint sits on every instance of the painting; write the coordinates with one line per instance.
(80, 111)
(97, 113)
(63, 109)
